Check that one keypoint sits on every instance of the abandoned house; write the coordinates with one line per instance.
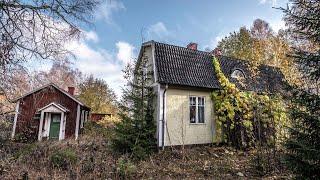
(49, 112)
(183, 80)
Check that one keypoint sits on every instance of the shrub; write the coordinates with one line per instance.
(109, 121)
(63, 159)
(125, 167)
(5, 129)
(28, 134)
(94, 129)
(26, 150)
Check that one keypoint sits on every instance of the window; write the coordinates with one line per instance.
(200, 109)
(145, 71)
(196, 105)
(193, 107)
(237, 74)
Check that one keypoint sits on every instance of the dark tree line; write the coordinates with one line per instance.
(303, 20)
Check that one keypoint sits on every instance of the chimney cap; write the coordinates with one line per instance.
(192, 45)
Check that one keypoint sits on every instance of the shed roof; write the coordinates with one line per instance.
(55, 86)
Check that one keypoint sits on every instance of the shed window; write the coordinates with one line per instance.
(196, 105)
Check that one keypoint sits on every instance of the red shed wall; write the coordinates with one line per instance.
(29, 105)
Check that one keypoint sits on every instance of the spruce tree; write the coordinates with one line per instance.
(135, 133)
(303, 19)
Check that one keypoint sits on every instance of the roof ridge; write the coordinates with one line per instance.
(55, 86)
(206, 52)
(247, 62)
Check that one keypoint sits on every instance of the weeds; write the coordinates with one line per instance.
(24, 151)
(63, 159)
(125, 167)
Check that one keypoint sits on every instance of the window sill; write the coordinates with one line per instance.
(197, 123)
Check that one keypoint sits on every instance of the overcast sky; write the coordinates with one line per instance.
(120, 27)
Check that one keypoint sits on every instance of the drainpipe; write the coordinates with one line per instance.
(163, 114)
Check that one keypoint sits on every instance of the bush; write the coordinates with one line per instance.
(125, 167)
(93, 129)
(29, 134)
(24, 151)
(5, 129)
(63, 159)
(109, 121)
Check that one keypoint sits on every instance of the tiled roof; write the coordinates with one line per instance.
(181, 66)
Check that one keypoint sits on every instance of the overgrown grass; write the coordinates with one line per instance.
(63, 158)
(125, 167)
(93, 129)
(25, 150)
(90, 157)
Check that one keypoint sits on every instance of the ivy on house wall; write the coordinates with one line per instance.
(245, 118)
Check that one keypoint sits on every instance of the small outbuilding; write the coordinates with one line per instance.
(96, 117)
(49, 112)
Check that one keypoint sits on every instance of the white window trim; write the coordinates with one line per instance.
(197, 113)
(235, 72)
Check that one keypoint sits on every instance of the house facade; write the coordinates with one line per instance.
(183, 80)
(49, 112)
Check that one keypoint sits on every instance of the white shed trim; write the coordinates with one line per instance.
(15, 119)
(60, 107)
(77, 122)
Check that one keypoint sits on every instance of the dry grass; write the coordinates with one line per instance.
(204, 162)
(95, 160)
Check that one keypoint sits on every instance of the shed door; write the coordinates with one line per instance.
(55, 126)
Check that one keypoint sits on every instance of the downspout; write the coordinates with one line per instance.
(163, 114)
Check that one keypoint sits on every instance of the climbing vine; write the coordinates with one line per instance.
(245, 118)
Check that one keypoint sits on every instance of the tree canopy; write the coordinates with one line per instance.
(261, 45)
(97, 94)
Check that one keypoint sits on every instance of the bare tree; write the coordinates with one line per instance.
(61, 73)
(38, 29)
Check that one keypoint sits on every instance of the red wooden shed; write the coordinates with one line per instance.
(49, 112)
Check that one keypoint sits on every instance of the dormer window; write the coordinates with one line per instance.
(237, 74)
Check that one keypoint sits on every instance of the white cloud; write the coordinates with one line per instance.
(91, 36)
(158, 31)
(273, 2)
(277, 25)
(107, 9)
(102, 63)
(213, 42)
(125, 52)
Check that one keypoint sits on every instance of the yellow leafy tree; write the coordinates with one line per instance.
(260, 45)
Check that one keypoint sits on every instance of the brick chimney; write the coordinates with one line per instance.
(71, 90)
(192, 45)
(216, 52)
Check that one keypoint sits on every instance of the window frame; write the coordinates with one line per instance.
(237, 74)
(197, 109)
